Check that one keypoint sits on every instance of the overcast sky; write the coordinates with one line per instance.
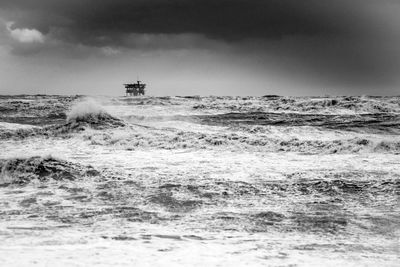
(188, 47)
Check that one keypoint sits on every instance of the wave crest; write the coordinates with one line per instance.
(23, 170)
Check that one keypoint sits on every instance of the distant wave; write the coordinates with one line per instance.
(325, 105)
(136, 137)
(366, 124)
(295, 119)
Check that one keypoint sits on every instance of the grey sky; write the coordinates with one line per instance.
(225, 47)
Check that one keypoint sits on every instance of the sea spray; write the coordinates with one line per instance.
(84, 109)
(89, 113)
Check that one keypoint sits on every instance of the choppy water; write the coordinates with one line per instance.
(269, 181)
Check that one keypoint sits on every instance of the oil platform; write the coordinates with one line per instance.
(135, 89)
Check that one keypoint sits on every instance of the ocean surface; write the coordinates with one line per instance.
(199, 181)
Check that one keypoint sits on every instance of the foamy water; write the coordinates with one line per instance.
(194, 181)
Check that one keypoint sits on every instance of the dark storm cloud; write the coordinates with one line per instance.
(97, 22)
(349, 43)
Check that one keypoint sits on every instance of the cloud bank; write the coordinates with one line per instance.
(333, 43)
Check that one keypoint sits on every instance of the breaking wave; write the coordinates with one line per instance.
(85, 109)
(83, 115)
(90, 113)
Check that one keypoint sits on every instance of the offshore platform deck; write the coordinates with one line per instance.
(135, 89)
